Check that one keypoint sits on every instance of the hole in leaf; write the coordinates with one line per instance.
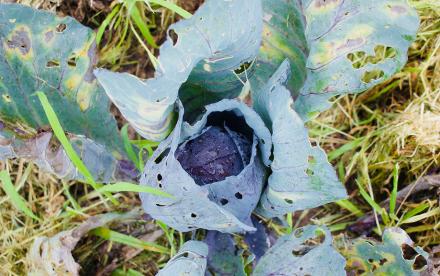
(288, 200)
(53, 63)
(161, 156)
(309, 244)
(419, 263)
(238, 195)
(370, 76)
(61, 28)
(243, 67)
(298, 233)
(160, 205)
(72, 61)
(224, 201)
(173, 36)
(193, 215)
(408, 252)
(383, 261)
(159, 177)
(360, 59)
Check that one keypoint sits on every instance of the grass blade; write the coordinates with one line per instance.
(393, 196)
(107, 234)
(105, 24)
(129, 147)
(14, 196)
(172, 7)
(70, 151)
(130, 187)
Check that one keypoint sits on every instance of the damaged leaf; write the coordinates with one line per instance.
(203, 53)
(307, 251)
(190, 260)
(50, 157)
(301, 177)
(224, 205)
(353, 46)
(52, 256)
(34, 56)
(396, 255)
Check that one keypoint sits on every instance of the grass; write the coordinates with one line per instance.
(379, 142)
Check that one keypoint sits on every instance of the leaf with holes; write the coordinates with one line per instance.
(202, 57)
(335, 47)
(50, 157)
(396, 255)
(34, 56)
(190, 260)
(307, 251)
(215, 186)
(354, 45)
(301, 176)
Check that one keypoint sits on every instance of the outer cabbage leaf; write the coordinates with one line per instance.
(190, 260)
(224, 258)
(216, 40)
(301, 176)
(396, 255)
(283, 37)
(258, 242)
(354, 45)
(34, 56)
(204, 206)
(302, 253)
(39, 149)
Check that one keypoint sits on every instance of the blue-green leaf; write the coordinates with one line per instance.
(301, 176)
(354, 45)
(307, 251)
(202, 52)
(190, 260)
(396, 255)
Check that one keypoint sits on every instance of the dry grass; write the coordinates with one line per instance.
(396, 122)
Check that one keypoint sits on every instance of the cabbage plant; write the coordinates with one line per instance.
(233, 88)
(254, 72)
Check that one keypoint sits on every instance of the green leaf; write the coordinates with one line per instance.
(34, 56)
(202, 53)
(190, 260)
(114, 236)
(14, 196)
(307, 251)
(130, 187)
(396, 255)
(283, 37)
(353, 45)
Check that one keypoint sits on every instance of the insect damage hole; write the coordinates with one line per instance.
(370, 76)
(408, 252)
(173, 36)
(72, 61)
(419, 263)
(61, 27)
(193, 215)
(243, 67)
(238, 195)
(224, 201)
(53, 63)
